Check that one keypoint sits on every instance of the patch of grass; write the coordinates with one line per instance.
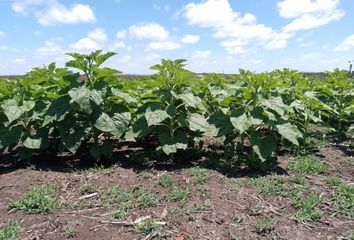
(99, 169)
(268, 185)
(343, 197)
(264, 225)
(200, 175)
(350, 161)
(122, 211)
(175, 210)
(37, 200)
(350, 235)
(147, 200)
(114, 195)
(298, 179)
(147, 227)
(307, 165)
(178, 194)
(70, 204)
(307, 205)
(200, 207)
(70, 230)
(333, 181)
(87, 188)
(145, 174)
(10, 231)
(166, 181)
(238, 220)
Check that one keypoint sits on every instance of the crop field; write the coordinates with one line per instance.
(85, 154)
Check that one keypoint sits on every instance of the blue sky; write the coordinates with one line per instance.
(213, 35)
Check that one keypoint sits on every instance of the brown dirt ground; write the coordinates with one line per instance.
(230, 212)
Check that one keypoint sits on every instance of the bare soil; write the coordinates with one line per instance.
(221, 208)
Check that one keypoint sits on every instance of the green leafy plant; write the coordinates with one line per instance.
(268, 185)
(10, 231)
(37, 200)
(70, 230)
(264, 225)
(166, 180)
(307, 165)
(307, 204)
(200, 175)
(178, 194)
(147, 227)
(171, 112)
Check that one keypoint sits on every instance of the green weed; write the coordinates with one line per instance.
(70, 230)
(147, 227)
(10, 231)
(268, 185)
(37, 200)
(343, 197)
(307, 165)
(178, 194)
(166, 181)
(122, 211)
(307, 205)
(264, 225)
(200, 175)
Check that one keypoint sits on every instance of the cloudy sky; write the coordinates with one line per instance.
(213, 35)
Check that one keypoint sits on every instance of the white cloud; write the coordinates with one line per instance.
(50, 48)
(200, 55)
(86, 44)
(2, 34)
(4, 48)
(346, 45)
(158, 7)
(122, 34)
(152, 31)
(93, 41)
(165, 45)
(309, 14)
(19, 60)
(23, 6)
(297, 8)
(238, 30)
(60, 14)
(98, 34)
(116, 45)
(190, 39)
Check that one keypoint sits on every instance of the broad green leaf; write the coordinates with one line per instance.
(105, 123)
(190, 100)
(126, 97)
(121, 123)
(13, 111)
(72, 137)
(97, 96)
(289, 132)
(170, 144)
(101, 58)
(57, 110)
(9, 136)
(32, 143)
(198, 122)
(105, 72)
(222, 122)
(81, 96)
(139, 128)
(155, 117)
(241, 123)
(274, 103)
(263, 146)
